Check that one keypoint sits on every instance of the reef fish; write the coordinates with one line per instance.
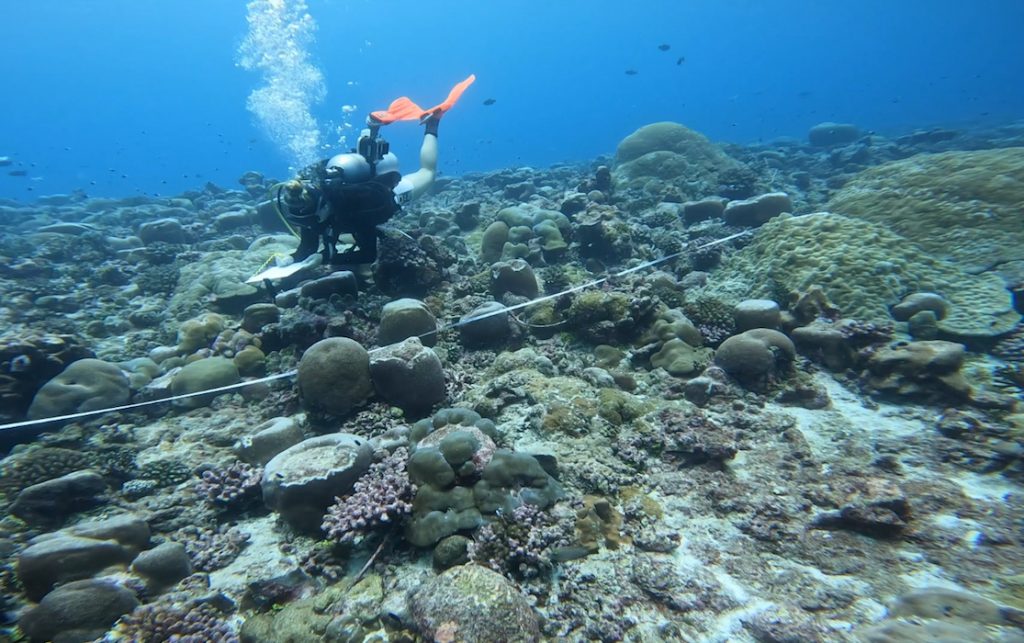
(490, 101)
(664, 47)
(631, 72)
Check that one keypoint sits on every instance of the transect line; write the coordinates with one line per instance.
(449, 326)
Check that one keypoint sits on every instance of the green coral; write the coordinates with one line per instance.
(594, 306)
(681, 359)
(460, 476)
(618, 407)
(966, 207)
(864, 268)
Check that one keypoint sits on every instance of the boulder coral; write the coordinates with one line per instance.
(85, 385)
(672, 153)
(965, 207)
(334, 376)
(865, 268)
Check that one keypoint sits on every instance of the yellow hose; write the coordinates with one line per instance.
(275, 199)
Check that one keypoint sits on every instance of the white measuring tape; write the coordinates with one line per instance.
(450, 326)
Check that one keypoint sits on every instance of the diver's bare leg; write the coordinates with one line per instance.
(423, 178)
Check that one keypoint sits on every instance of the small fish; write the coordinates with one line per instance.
(664, 47)
(5, 160)
(631, 72)
(680, 60)
(18, 173)
(490, 101)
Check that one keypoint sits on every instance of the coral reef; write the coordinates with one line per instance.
(864, 268)
(520, 543)
(963, 207)
(163, 622)
(381, 497)
(231, 488)
(776, 437)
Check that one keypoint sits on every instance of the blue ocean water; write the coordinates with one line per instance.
(116, 97)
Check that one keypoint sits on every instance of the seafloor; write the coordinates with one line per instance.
(811, 431)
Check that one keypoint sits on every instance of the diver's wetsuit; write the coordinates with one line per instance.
(359, 208)
(354, 209)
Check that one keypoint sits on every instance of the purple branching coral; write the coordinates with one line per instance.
(383, 496)
(233, 487)
(159, 622)
(210, 550)
(520, 543)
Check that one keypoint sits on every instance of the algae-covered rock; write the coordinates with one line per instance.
(942, 614)
(864, 268)
(334, 376)
(967, 207)
(408, 375)
(203, 375)
(332, 614)
(470, 603)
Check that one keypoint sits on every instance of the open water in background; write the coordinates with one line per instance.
(118, 97)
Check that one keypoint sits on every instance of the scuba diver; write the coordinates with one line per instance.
(357, 192)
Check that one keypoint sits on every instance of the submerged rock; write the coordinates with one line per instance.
(303, 480)
(61, 558)
(755, 355)
(334, 376)
(50, 503)
(921, 370)
(473, 603)
(408, 375)
(78, 611)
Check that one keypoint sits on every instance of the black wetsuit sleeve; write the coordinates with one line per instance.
(309, 240)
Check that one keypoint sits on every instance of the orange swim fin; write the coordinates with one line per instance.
(453, 96)
(403, 109)
(400, 109)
